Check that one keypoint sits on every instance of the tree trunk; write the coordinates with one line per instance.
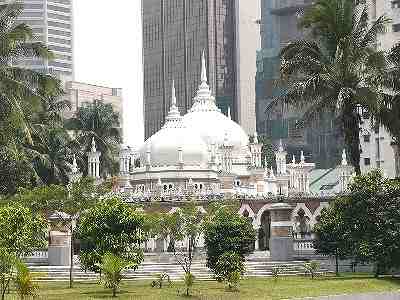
(71, 265)
(351, 129)
(114, 291)
(337, 264)
(377, 270)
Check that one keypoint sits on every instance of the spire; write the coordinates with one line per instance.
(344, 158)
(280, 146)
(94, 149)
(74, 168)
(173, 102)
(203, 69)
(174, 117)
(204, 101)
(293, 160)
(229, 113)
(255, 141)
(302, 158)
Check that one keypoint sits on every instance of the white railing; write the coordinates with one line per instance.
(300, 246)
(38, 254)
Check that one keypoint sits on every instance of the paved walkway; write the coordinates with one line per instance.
(373, 296)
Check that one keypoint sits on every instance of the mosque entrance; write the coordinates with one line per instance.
(264, 232)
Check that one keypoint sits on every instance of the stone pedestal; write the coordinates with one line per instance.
(281, 240)
(59, 252)
(59, 255)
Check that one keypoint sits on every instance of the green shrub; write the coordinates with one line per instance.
(159, 282)
(312, 268)
(229, 269)
(24, 284)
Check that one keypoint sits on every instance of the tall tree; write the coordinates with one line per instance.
(66, 203)
(368, 220)
(389, 114)
(52, 154)
(340, 71)
(20, 87)
(99, 121)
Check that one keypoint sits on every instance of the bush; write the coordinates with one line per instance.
(112, 267)
(312, 268)
(24, 281)
(229, 268)
(160, 280)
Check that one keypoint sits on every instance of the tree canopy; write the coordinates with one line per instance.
(364, 224)
(227, 231)
(110, 226)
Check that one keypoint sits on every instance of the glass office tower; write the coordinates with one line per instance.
(175, 32)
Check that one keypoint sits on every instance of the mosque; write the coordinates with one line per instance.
(204, 155)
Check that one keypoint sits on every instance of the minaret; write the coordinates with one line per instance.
(74, 175)
(94, 161)
(345, 172)
(280, 157)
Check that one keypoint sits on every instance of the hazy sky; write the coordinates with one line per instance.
(108, 47)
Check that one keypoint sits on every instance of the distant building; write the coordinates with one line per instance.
(175, 33)
(321, 140)
(377, 151)
(52, 23)
(79, 94)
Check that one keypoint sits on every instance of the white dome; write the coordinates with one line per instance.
(213, 126)
(165, 145)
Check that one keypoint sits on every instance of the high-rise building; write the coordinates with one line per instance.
(175, 33)
(321, 140)
(376, 148)
(51, 21)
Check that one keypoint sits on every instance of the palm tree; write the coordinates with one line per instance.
(20, 88)
(99, 121)
(52, 153)
(342, 79)
(389, 114)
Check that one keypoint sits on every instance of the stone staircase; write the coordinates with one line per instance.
(256, 266)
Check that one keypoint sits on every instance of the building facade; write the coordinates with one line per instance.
(320, 140)
(52, 23)
(175, 32)
(377, 151)
(79, 94)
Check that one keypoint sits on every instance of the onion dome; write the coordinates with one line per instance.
(174, 144)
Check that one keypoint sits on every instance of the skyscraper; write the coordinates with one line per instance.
(51, 21)
(175, 32)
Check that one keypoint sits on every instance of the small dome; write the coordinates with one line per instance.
(165, 145)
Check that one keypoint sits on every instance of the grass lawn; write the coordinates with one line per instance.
(250, 289)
